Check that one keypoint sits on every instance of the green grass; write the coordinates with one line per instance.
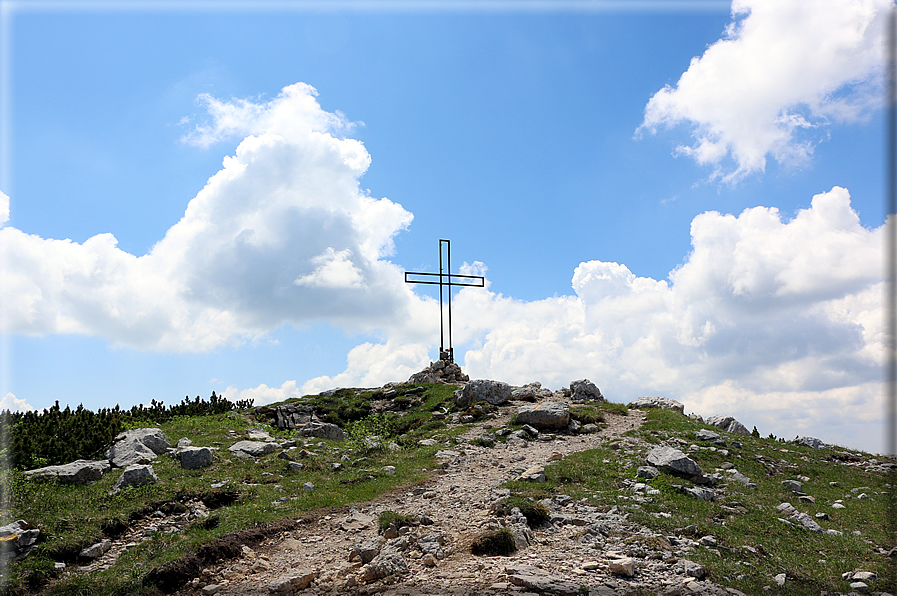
(745, 517)
(73, 517)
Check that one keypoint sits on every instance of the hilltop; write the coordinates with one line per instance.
(393, 489)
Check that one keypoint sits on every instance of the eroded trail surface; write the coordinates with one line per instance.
(582, 550)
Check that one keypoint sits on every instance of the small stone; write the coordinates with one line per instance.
(428, 560)
(308, 486)
(625, 566)
(389, 470)
(211, 589)
(860, 587)
(780, 579)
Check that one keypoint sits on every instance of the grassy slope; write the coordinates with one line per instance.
(72, 517)
(746, 516)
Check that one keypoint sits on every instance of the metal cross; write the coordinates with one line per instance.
(446, 280)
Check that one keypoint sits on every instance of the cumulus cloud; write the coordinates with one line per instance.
(4, 208)
(281, 234)
(14, 404)
(263, 395)
(372, 365)
(782, 72)
(776, 321)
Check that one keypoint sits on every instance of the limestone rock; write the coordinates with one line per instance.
(384, 565)
(193, 458)
(534, 474)
(97, 550)
(295, 580)
(137, 446)
(810, 442)
(624, 566)
(584, 390)
(323, 430)
(493, 392)
(534, 578)
(135, 475)
(728, 424)
(710, 436)
(365, 551)
(77, 472)
(252, 448)
(673, 461)
(550, 414)
(658, 402)
(794, 486)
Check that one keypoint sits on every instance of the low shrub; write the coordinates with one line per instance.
(498, 543)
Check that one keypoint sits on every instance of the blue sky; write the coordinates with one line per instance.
(242, 189)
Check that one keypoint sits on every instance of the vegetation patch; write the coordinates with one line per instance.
(586, 414)
(499, 543)
(388, 518)
(535, 512)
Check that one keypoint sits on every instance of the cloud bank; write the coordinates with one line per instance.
(771, 319)
(281, 234)
(782, 72)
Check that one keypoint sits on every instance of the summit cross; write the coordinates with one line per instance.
(446, 280)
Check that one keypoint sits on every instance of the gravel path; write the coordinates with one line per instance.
(457, 499)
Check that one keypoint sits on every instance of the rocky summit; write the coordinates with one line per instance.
(523, 491)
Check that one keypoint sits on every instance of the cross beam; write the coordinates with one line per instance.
(445, 279)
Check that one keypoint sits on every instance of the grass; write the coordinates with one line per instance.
(753, 545)
(499, 543)
(256, 492)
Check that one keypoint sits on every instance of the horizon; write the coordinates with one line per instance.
(673, 198)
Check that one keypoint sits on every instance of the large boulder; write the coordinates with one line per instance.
(547, 415)
(135, 475)
(810, 442)
(137, 446)
(728, 424)
(673, 461)
(252, 448)
(584, 390)
(494, 392)
(322, 430)
(193, 458)
(81, 471)
(664, 403)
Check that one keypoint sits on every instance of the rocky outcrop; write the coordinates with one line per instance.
(81, 471)
(673, 461)
(584, 390)
(440, 371)
(810, 442)
(322, 430)
(135, 475)
(493, 392)
(252, 448)
(138, 446)
(728, 424)
(193, 458)
(17, 540)
(546, 415)
(664, 403)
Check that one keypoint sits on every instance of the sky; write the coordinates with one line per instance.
(678, 198)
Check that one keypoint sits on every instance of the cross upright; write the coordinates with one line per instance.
(446, 280)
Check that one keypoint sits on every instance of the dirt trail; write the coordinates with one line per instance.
(456, 498)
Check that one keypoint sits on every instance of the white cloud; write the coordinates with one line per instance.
(4, 208)
(281, 234)
(783, 70)
(372, 365)
(14, 404)
(263, 395)
(777, 322)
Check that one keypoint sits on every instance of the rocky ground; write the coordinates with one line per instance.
(581, 550)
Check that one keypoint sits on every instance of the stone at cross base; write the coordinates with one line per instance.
(440, 371)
